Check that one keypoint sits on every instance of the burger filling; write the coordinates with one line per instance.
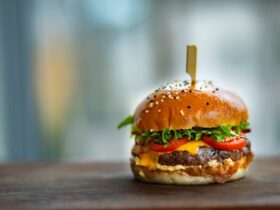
(189, 147)
(203, 156)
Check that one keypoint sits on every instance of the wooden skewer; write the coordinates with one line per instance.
(191, 62)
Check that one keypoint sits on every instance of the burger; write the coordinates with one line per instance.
(190, 134)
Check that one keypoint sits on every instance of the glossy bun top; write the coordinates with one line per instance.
(180, 105)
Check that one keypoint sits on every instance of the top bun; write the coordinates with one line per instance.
(179, 105)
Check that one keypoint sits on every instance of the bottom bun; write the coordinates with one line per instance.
(193, 175)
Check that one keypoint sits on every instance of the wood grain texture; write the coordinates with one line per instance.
(111, 186)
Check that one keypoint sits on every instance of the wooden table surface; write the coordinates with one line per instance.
(111, 186)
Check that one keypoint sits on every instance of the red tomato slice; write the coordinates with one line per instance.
(172, 145)
(231, 143)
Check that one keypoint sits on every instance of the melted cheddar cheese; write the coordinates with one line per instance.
(191, 147)
(149, 159)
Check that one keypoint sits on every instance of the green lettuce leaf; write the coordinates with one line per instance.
(162, 137)
(126, 121)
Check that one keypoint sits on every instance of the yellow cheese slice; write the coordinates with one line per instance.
(192, 147)
(149, 159)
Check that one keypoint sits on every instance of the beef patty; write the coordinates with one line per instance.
(204, 155)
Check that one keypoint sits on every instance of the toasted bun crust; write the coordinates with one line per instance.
(186, 106)
(193, 175)
(178, 178)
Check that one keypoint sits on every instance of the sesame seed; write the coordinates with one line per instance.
(163, 96)
(151, 104)
(162, 100)
(207, 103)
(156, 102)
(177, 97)
(159, 110)
(189, 107)
(182, 112)
(147, 111)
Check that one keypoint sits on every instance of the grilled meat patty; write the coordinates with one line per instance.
(204, 155)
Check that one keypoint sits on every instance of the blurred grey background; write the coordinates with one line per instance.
(71, 70)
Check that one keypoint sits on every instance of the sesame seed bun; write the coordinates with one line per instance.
(180, 105)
